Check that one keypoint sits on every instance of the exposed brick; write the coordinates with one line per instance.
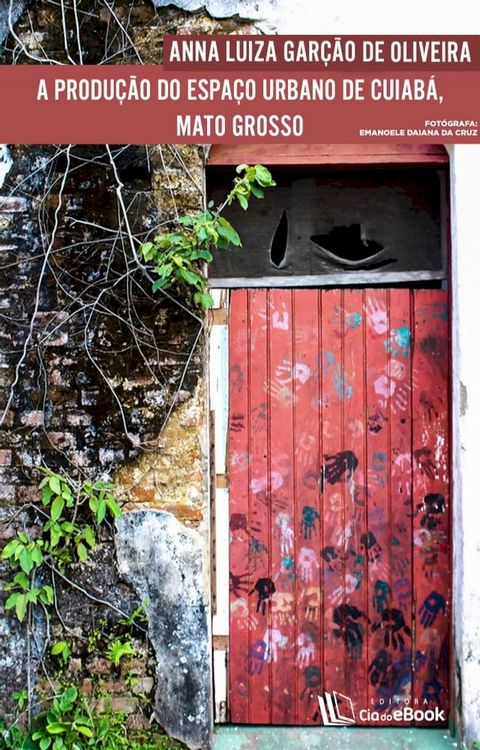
(61, 440)
(15, 204)
(33, 418)
(124, 704)
(5, 458)
(78, 419)
(99, 666)
(7, 492)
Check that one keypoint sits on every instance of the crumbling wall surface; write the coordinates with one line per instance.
(101, 378)
(164, 562)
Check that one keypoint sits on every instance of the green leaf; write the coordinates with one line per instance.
(263, 176)
(12, 600)
(89, 536)
(21, 604)
(257, 192)
(82, 552)
(10, 548)
(57, 727)
(57, 508)
(226, 230)
(102, 510)
(37, 555)
(243, 201)
(159, 284)
(22, 580)
(23, 537)
(55, 485)
(113, 507)
(46, 595)
(25, 559)
(241, 168)
(45, 743)
(58, 648)
(190, 277)
(86, 731)
(47, 494)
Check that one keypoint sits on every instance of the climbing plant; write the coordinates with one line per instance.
(178, 257)
(71, 518)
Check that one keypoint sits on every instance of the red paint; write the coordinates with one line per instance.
(338, 476)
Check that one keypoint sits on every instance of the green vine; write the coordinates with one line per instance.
(73, 516)
(69, 719)
(178, 257)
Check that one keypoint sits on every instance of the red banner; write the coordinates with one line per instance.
(146, 104)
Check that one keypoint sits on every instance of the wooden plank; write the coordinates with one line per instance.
(259, 516)
(337, 640)
(308, 643)
(349, 323)
(375, 153)
(238, 450)
(431, 499)
(376, 544)
(335, 279)
(281, 392)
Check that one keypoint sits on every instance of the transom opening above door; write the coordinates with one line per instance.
(337, 224)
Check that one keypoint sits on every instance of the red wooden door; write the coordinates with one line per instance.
(339, 505)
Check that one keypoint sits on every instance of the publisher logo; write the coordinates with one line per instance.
(336, 709)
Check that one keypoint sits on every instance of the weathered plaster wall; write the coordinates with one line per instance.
(465, 168)
(165, 563)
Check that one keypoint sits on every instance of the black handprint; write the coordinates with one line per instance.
(394, 623)
(433, 604)
(379, 667)
(265, 587)
(338, 464)
(239, 583)
(351, 631)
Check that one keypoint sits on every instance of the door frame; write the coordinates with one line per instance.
(218, 378)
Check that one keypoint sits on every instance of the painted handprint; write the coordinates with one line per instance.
(423, 456)
(283, 604)
(432, 605)
(285, 577)
(377, 317)
(307, 561)
(428, 406)
(282, 521)
(273, 640)
(255, 660)
(341, 592)
(240, 611)
(239, 583)
(306, 650)
(307, 524)
(381, 595)
(312, 600)
(339, 464)
(378, 668)
(349, 629)
(264, 587)
(399, 341)
(394, 625)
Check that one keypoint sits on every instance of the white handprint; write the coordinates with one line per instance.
(307, 559)
(377, 317)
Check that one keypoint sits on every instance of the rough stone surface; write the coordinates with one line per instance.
(163, 561)
(17, 7)
(224, 8)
